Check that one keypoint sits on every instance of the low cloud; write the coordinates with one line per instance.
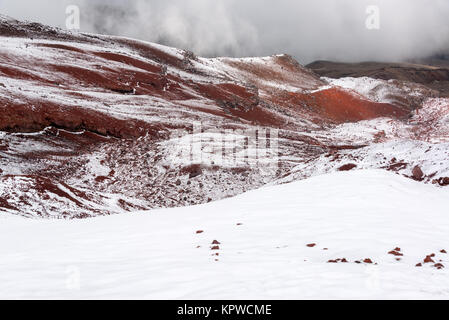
(308, 30)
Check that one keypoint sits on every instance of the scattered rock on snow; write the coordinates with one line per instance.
(347, 167)
(342, 260)
(417, 173)
(443, 181)
(396, 253)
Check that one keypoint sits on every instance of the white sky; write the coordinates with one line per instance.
(309, 30)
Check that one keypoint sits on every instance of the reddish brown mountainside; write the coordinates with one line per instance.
(93, 125)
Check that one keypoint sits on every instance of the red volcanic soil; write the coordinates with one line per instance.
(86, 68)
(21, 74)
(343, 106)
(130, 61)
(4, 204)
(19, 118)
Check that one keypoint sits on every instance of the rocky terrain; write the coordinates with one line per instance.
(97, 125)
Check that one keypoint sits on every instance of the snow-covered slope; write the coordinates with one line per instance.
(263, 245)
(387, 91)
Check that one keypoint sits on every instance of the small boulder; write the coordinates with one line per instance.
(196, 171)
(395, 253)
(347, 167)
(417, 173)
(443, 181)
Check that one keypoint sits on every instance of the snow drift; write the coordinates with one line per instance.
(344, 235)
